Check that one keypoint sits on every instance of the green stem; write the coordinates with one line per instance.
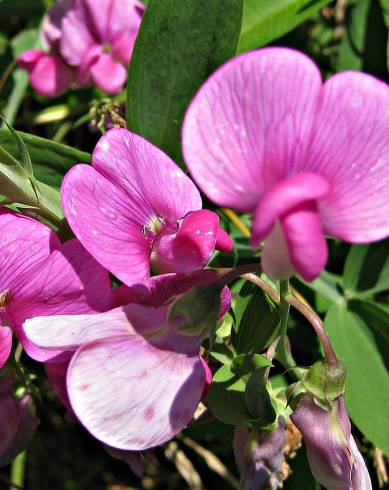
(18, 470)
(283, 352)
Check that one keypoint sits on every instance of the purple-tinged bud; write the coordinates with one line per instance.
(333, 456)
(17, 422)
(259, 458)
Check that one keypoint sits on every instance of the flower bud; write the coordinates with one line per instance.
(333, 456)
(259, 459)
(17, 422)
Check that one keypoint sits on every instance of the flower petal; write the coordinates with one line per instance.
(69, 281)
(147, 175)
(282, 197)
(191, 247)
(350, 149)
(107, 223)
(164, 287)
(24, 243)
(306, 243)
(68, 332)
(275, 259)
(5, 344)
(250, 125)
(108, 75)
(132, 395)
(50, 76)
(76, 35)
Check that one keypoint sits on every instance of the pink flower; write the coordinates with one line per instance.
(88, 41)
(135, 208)
(41, 276)
(265, 135)
(135, 379)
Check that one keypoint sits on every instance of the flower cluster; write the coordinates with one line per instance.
(263, 135)
(87, 42)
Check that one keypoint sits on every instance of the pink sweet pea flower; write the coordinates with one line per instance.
(135, 379)
(49, 73)
(88, 41)
(135, 208)
(265, 135)
(41, 276)
(98, 37)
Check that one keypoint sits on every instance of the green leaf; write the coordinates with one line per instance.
(179, 44)
(247, 363)
(363, 44)
(264, 21)
(50, 160)
(367, 381)
(326, 285)
(258, 400)
(257, 320)
(367, 269)
(19, 187)
(226, 398)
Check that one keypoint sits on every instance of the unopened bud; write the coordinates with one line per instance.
(17, 422)
(259, 457)
(333, 456)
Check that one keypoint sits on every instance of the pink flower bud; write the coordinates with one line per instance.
(333, 456)
(259, 459)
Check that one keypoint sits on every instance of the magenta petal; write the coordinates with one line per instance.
(191, 247)
(225, 302)
(24, 243)
(282, 197)
(76, 37)
(107, 224)
(147, 175)
(51, 25)
(108, 75)
(306, 243)
(5, 344)
(29, 59)
(224, 242)
(69, 281)
(131, 395)
(250, 124)
(50, 76)
(350, 149)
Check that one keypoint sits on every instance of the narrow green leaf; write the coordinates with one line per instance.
(19, 187)
(367, 381)
(179, 44)
(50, 160)
(367, 269)
(264, 21)
(257, 320)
